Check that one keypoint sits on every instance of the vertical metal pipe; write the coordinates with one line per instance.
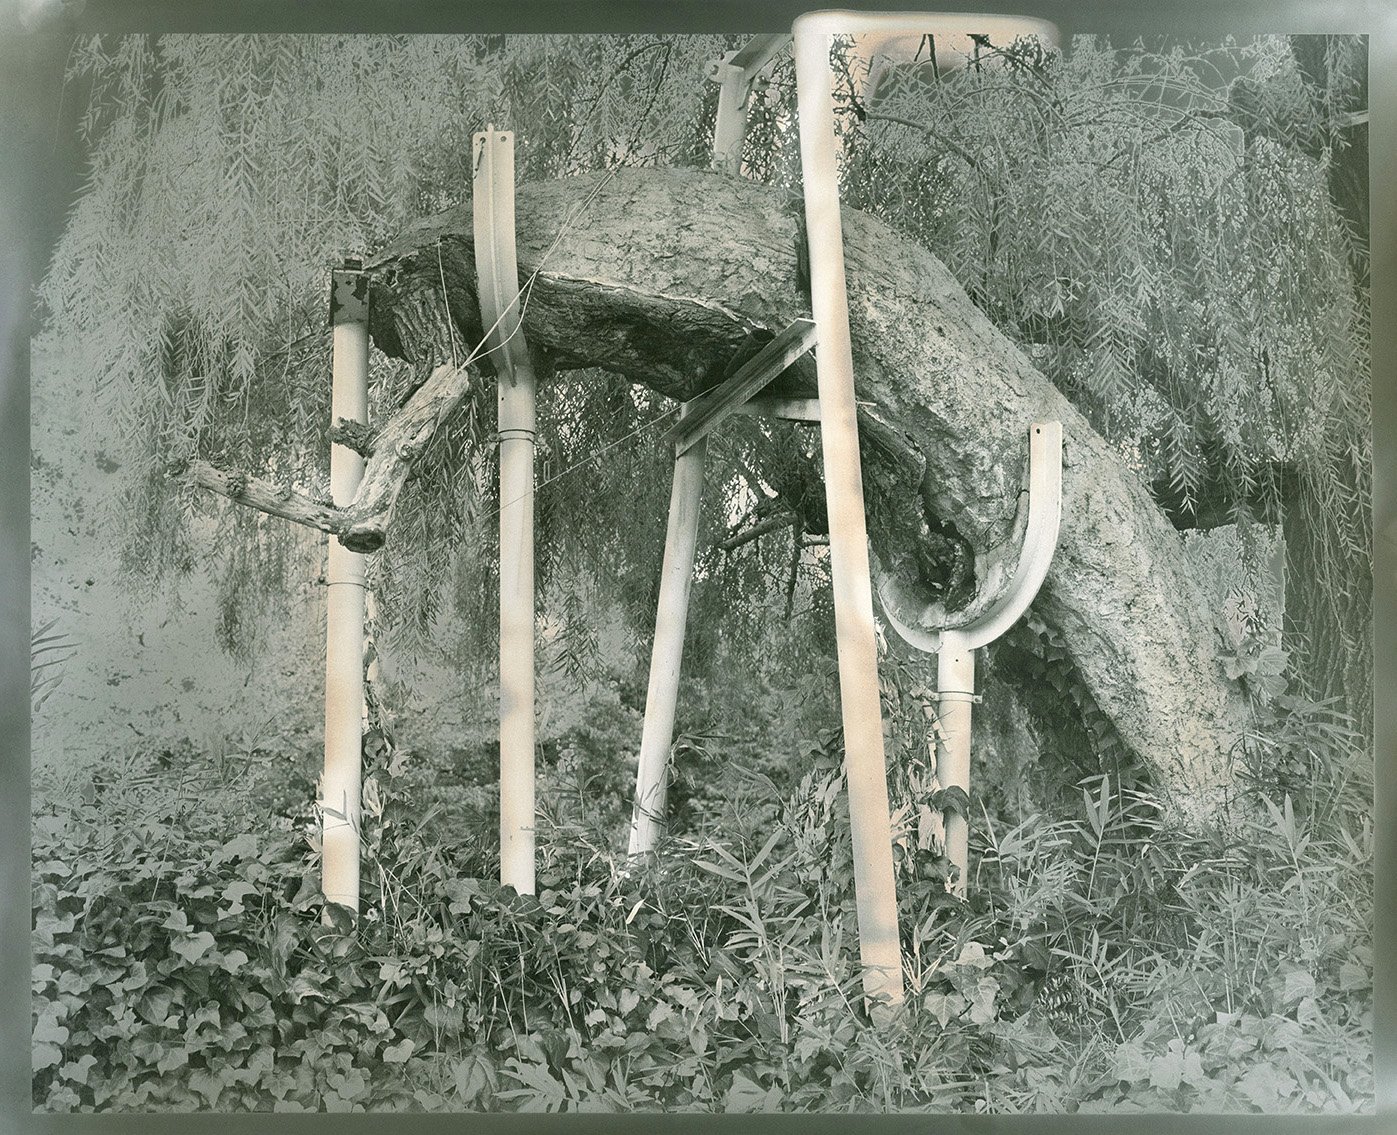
(498, 272)
(730, 127)
(667, 653)
(879, 947)
(955, 682)
(516, 409)
(344, 621)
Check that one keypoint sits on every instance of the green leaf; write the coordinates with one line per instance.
(79, 1069)
(233, 895)
(1166, 1071)
(45, 1055)
(398, 1053)
(194, 947)
(171, 1059)
(1266, 1086)
(1299, 984)
(745, 1095)
(1353, 976)
(49, 1031)
(244, 846)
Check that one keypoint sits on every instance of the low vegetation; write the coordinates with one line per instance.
(183, 958)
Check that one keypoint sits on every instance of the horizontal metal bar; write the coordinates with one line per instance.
(788, 409)
(711, 408)
(757, 52)
(844, 22)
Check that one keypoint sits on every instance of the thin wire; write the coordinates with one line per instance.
(577, 465)
(446, 303)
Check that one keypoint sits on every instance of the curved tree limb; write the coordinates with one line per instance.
(665, 273)
(362, 525)
(275, 500)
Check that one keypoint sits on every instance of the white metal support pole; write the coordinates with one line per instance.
(497, 271)
(876, 896)
(667, 653)
(955, 682)
(344, 620)
(955, 646)
(735, 73)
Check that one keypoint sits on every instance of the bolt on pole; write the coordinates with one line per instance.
(497, 270)
(870, 827)
(344, 618)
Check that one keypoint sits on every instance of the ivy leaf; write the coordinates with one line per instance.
(240, 847)
(1266, 1086)
(1299, 984)
(78, 1070)
(1167, 1071)
(194, 947)
(1353, 976)
(398, 1053)
(46, 1056)
(233, 895)
(744, 1095)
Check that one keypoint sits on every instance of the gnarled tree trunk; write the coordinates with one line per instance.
(659, 275)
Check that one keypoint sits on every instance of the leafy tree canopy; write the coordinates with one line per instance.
(1155, 226)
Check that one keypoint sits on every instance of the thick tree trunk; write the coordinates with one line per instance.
(659, 275)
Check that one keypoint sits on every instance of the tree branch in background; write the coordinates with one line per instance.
(395, 449)
(761, 528)
(363, 525)
(275, 500)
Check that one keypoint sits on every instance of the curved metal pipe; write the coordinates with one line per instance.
(1035, 556)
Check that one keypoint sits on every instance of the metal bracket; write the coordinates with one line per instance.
(736, 71)
(1035, 556)
(759, 371)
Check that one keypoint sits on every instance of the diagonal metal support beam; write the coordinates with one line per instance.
(870, 827)
(708, 410)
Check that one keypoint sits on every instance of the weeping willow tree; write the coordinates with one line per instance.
(1173, 236)
(1193, 297)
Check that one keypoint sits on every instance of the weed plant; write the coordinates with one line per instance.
(185, 959)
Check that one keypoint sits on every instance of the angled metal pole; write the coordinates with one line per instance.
(686, 495)
(879, 947)
(344, 617)
(497, 272)
(667, 653)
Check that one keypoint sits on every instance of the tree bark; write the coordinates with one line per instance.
(660, 275)
(362, 525)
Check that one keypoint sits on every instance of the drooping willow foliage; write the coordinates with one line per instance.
(1153, 227)
(227, 175)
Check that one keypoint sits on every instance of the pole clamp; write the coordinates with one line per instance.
(960, 695)
(515, 435)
